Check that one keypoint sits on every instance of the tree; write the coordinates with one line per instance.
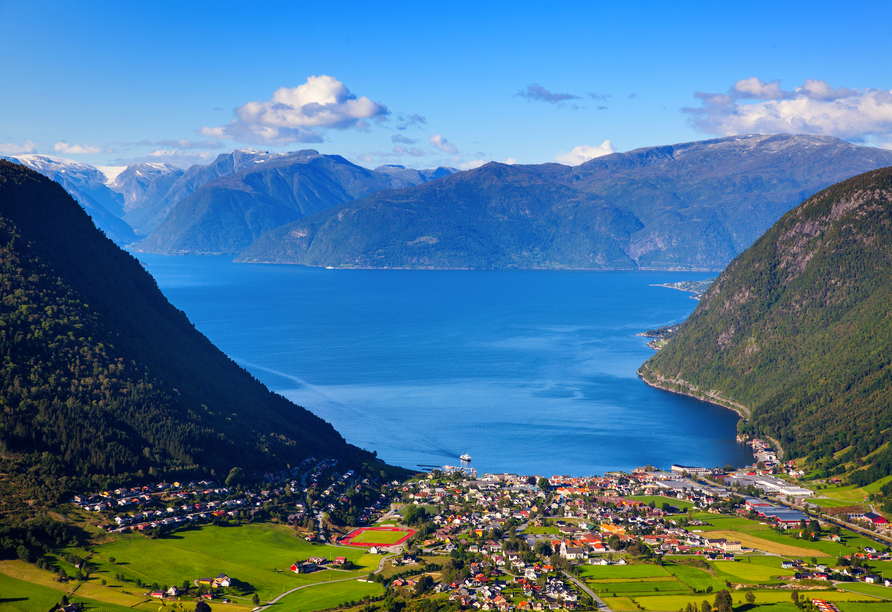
(236, 476)
(705, 606)
(255, 599)
(795, 597)
(750, 598)
(543, 483)
(202, 606)
(723, 601)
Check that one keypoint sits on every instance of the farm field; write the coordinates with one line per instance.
(19, 596)
(792, 549)
(659, 500)
(323, 596)
(259, 555)
(778, 599)
(748, 573)
(607, 572)
(695, 577)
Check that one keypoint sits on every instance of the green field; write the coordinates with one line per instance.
(694, 577)
(755, 529)
(604, 572)
(257, 554)
(639, 587)
(659, 500)
(766, 600)
(748, 573)
(19, 596)
(327, 596)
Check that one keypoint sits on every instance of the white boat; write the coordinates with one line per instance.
(466, 458)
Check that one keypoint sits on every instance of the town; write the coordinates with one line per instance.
(621, 541)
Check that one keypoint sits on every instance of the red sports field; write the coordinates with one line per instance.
(377, 536)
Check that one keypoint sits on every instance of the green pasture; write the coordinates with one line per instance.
(659, 500)
(874, 590)
(601, 572)
(541, 530)
(849, 542)
(639, 587)
(19, 596)
(695, 577)
(766, 600)
(257, 554)
(747, 573)
(834, 503)
(860, 606)
(322, 596)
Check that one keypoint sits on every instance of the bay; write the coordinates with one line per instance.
(528, 371)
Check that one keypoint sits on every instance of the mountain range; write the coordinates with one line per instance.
(130, 203)
(105, 379)
(688, 206)
(796, 332)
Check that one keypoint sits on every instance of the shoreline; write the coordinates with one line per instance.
(742, 411)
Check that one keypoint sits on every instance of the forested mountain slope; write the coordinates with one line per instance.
(103, 378)
(798, 328)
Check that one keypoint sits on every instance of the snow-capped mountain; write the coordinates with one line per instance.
(144, 183)
(88, 186)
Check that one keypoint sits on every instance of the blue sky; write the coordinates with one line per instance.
(427, 84)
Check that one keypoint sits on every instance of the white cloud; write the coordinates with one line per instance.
(297, 114)
(752, 106)
(11, 148)
(583, 153)
(77, 149)
(444, 145)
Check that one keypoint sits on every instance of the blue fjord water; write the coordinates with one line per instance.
(527, 371)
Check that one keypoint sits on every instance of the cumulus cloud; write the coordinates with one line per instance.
(77, 149)
(443, 145)
(11, 148)
(583, 153)
(754, 106)
(538, 93)
(297, 114)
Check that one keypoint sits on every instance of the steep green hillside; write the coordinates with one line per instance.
(798, 328)
(686, 206)
(103, 378)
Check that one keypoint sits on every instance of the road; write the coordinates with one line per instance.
(598, 601)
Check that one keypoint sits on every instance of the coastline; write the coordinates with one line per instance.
(713, 397)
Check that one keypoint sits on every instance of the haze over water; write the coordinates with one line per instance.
(527, 371)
